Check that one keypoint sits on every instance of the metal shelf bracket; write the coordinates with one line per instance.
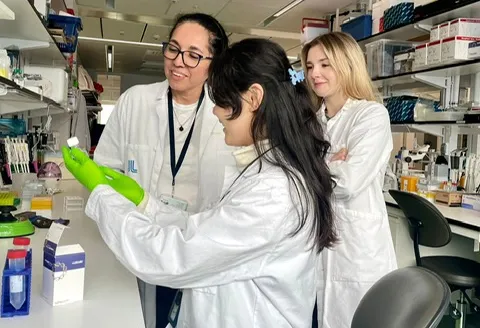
(422, 27)
(434, 81)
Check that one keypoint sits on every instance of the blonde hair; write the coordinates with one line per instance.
(348, 62)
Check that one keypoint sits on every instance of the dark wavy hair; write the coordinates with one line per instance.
(286, 117)
(218, 36)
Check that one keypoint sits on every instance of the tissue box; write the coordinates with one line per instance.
(434, 53)
(456, 48)
(420, 61)
(444, 30)
(435, 33)
(63, 269)
(465, 27)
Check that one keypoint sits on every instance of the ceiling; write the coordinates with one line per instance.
(149, 22)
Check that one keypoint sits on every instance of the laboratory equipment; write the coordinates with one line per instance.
(10, 226)
(51, 174)
(16, 262)
(73, 203)
(21, 243)
(16, 292)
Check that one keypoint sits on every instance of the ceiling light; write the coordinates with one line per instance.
(287, 8)
(109, 51)
(110, 41)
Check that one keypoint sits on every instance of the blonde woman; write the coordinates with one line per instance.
(358, 128)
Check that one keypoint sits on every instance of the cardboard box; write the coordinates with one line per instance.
(434, 53)
(421, 53)
(435, 33)
(444, 30)
(450, 198)
(63, 269)
(456, 48)
(471, 202)
(465, 27)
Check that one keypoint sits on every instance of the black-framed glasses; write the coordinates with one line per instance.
(189, 58)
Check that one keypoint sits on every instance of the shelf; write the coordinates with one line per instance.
(28, 34)
(20, 99)
(435, 127)
(459, 68)
(94, 109)
(414, 30)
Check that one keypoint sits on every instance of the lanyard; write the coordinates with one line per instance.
(176, 166)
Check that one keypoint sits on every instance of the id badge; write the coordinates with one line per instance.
(175, 309)
(175, 202)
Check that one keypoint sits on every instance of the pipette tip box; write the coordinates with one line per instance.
(7, 309)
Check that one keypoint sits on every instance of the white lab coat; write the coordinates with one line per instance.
(365, 251)
(236, 262)
(133, 142)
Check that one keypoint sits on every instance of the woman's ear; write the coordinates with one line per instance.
(255, 96)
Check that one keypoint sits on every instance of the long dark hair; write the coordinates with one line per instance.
(286, 117)
(218, 37)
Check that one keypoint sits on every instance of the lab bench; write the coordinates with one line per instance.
(111, 297)
(464, 223)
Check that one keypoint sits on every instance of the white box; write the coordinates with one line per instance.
(444, 30)
(434, 53)
(471, 202)
(378, 8)
(63, 269)
(435, 33)
(421, 53)
(54, 82)
(464, 27)
(456, 48)
(474, 50)
(375, 26)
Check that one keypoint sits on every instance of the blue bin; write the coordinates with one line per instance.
(359, 28)
(71, 27)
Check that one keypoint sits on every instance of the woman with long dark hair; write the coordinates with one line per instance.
(249, 260)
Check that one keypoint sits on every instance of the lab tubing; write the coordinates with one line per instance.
(16, 262)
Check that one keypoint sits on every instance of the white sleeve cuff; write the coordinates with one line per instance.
(143, 204)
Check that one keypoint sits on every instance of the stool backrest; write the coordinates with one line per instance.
(412, 297)
(433, 228)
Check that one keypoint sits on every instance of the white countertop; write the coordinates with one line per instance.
(458, 214)
(111, 297)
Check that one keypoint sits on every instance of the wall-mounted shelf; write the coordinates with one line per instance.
(436, 127)
(418, 28)
(28, 33)
(430, 75)
(19, 99)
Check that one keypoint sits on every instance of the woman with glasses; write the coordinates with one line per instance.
(165, 136)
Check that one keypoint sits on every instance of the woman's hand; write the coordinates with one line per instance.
(86, 171)
(341, 155)
(124, 185)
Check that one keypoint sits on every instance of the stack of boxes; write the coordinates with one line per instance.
(399, 12)
(449, 43)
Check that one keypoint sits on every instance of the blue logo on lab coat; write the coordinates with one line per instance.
(131, 166)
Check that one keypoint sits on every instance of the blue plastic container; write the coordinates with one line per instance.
(359, 28)
(71, 27)
(7, 309)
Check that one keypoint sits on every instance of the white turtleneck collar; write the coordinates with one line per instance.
(247, 154)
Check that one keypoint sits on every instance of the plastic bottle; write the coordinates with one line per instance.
(4, 64)
(21, 243)
(16, 262)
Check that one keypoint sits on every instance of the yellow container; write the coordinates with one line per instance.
(408, 183)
